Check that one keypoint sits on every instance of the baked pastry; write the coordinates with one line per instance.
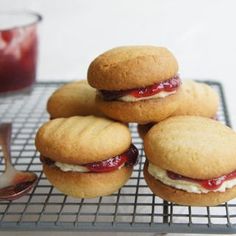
(136, 83)
(86, 156)
(191, 161)
(197, 99)
(75, 98)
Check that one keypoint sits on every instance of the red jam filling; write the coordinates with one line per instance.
(209, 184)
(169, 85)
(129, 158)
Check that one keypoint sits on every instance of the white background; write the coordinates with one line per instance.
(201, 34)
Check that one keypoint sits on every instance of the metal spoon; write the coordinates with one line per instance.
(13, 183)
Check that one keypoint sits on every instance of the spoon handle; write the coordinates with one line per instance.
(5, 141)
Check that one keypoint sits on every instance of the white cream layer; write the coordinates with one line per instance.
(69, 167)
(75, 168)
(191, 187)
(130, 98)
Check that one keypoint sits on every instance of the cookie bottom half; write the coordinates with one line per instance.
(87, 185)
(142, 112)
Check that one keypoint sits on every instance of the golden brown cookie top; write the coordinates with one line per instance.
(75, 98)
(131, 67)
(82, 139)
(192, 146)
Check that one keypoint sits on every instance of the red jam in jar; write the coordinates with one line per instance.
(18, 50)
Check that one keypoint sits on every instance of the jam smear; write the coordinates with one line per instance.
(209, 184)
(22, 178)
(169, 85)
(129, 158)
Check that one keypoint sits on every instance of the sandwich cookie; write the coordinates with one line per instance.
(86, 157)
(197, 99)
(75, 98)
(191, 161)
(136, 83)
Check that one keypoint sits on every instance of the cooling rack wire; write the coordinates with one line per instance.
(133, 208)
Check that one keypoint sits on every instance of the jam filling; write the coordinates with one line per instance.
(128, 158)
(209, 184)
(169, 85)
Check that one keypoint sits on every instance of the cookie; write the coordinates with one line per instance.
(75, 98)
(82, 149)
(194, 155)
(198, 99)
(136, 83)
(130, 67)
(87, 185)
(82, 139)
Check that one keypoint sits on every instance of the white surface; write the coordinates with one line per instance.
(201, 34)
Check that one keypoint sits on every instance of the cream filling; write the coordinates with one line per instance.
(191, 187)
(69, 167)
(130, 98)
(75, 168)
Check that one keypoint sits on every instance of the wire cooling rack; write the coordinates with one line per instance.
(132, 208)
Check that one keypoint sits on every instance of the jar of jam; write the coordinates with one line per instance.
(18, 50)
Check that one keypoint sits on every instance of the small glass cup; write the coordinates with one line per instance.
(18, 50)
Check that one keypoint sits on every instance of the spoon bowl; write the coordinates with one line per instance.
(13, 183)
